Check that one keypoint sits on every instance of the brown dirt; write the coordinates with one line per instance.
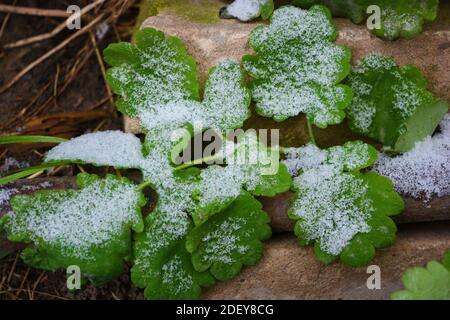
(76, 108)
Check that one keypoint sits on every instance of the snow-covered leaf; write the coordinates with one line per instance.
(399, 18)
(162, 265)
(105, 148)
(157, 82)
(90, 227)
(246, 10)
(392, 104)
(424, 171)
(297, 67)
(342, 211)
(230, 239)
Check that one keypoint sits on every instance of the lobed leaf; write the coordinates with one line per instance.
(429, 283)
(391, 104)
(90, 227)
(341, 211)
(400, 18)
(230, 239)
(297, 68)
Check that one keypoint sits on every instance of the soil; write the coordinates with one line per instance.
(41, 103)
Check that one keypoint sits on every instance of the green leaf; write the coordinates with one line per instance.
(446, 260)
(250, 166)
(30, 170)
(430, 283)
(157, 82)
(230, 239)
(353, 155)
(157, 70)
(90, 227)
(246, 10)
(400, 18)
(297, 67)
(391, 104)
(342, 211)
(30, 139)
(162, 265)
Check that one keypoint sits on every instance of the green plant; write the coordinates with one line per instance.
(338, 209)
(246, 10)
(429, 283)
(400, 18)
(297, 68)
(207, 223)
(157, 81)
(391, 104)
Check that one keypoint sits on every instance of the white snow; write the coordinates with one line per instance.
(245, 10)
(424, 171)
(107, 148)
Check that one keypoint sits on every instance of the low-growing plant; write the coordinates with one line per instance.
(429, 283)
(207, 224)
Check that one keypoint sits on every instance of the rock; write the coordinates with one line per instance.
(416, 211)
(288, 271)
(228, 39)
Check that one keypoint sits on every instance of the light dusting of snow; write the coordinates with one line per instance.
(332, 207)
(5, 195)
(424, 171)
(11, 163)
(174, 275)
(246, 10)
(220, 243)
(298, 66)
(371, 73)
(331, 204)
(78, 220)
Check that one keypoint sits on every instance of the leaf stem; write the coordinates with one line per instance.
(198, 161)
(30, 139)
(310, 131)
(144, 184)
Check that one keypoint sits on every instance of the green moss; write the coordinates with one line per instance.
(204, 11)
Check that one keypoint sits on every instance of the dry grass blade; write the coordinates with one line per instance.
(50, 53)
(55, 31)
(34, 11)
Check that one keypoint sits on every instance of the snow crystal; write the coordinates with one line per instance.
(109, 148)
(424, 171)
